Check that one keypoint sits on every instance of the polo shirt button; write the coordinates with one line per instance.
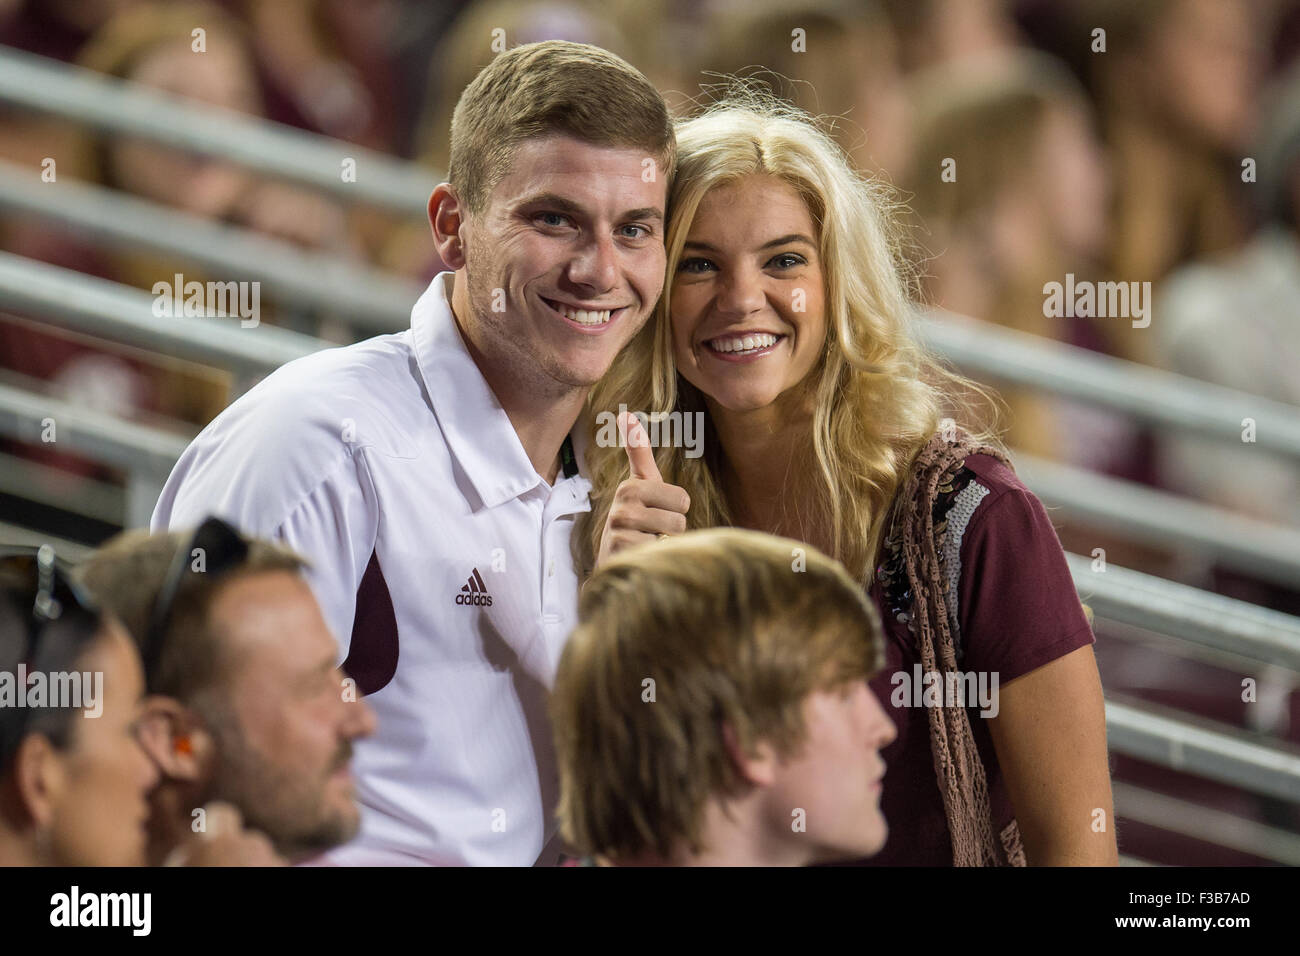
(551, 618)
(550, 568)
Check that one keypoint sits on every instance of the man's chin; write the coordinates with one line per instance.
(581, 376)
(345, 828)
(341, 827)
(344, 816)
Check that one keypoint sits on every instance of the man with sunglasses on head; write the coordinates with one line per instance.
(74, 779)
(429, 475)
(252, 712)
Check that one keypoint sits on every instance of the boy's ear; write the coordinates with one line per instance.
(176, 739)
(446, 217)
(759, 767)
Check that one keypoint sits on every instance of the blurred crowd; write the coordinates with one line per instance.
(1130, 141)
(1107, 140)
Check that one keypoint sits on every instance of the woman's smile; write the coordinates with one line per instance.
(746, 346)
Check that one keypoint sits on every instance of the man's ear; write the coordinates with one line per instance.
(759, 767)
(447, 215)
(176, 739)
(39, 778)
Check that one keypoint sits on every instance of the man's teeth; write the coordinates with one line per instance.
(582, 316)
(743, 343)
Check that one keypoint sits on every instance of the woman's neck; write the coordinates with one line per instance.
(763, 464)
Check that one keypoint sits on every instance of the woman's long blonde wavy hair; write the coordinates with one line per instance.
(877, 396)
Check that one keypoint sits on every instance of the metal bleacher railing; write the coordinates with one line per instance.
(99, 102)
(1146, 394)
(124, 314)
(382, 303)
(369, 300)
(1189, 614)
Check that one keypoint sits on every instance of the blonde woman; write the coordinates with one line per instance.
(784, 328)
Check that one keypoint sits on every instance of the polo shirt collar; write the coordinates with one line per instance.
(476, 427)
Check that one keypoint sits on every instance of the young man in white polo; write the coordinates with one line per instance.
(429, 475)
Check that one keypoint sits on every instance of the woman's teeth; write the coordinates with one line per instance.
(582, 316)
(743, 343)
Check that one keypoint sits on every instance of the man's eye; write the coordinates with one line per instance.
(553, 219)
(638, 231)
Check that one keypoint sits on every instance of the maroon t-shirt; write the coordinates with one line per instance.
(1017, 610)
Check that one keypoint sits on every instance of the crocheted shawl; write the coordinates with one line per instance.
(957, 765)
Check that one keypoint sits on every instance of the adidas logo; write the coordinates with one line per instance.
(475, 592)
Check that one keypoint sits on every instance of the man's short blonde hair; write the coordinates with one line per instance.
(676, 639)
(554, 87)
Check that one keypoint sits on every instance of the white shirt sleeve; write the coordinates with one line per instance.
(251, 480)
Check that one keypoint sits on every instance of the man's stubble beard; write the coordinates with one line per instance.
(290, 812)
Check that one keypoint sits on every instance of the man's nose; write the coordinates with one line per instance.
(596, 265)
(360, 720)
(883, 731)
(888, 732)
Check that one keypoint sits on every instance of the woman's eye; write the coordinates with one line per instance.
(694, 266)
(787, 260)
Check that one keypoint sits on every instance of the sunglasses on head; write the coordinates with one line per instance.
(44, 607)
(214, 548)
(46, 590)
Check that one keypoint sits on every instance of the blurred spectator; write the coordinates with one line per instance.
(55, 28)
(72, 790)
(1009, 185)
(1235, 321)
(327, 64)
(1022, 203)
(932, 32)
(844, 64)
(1177, 92)
(152, 44)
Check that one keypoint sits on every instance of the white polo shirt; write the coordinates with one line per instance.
(441, 561)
